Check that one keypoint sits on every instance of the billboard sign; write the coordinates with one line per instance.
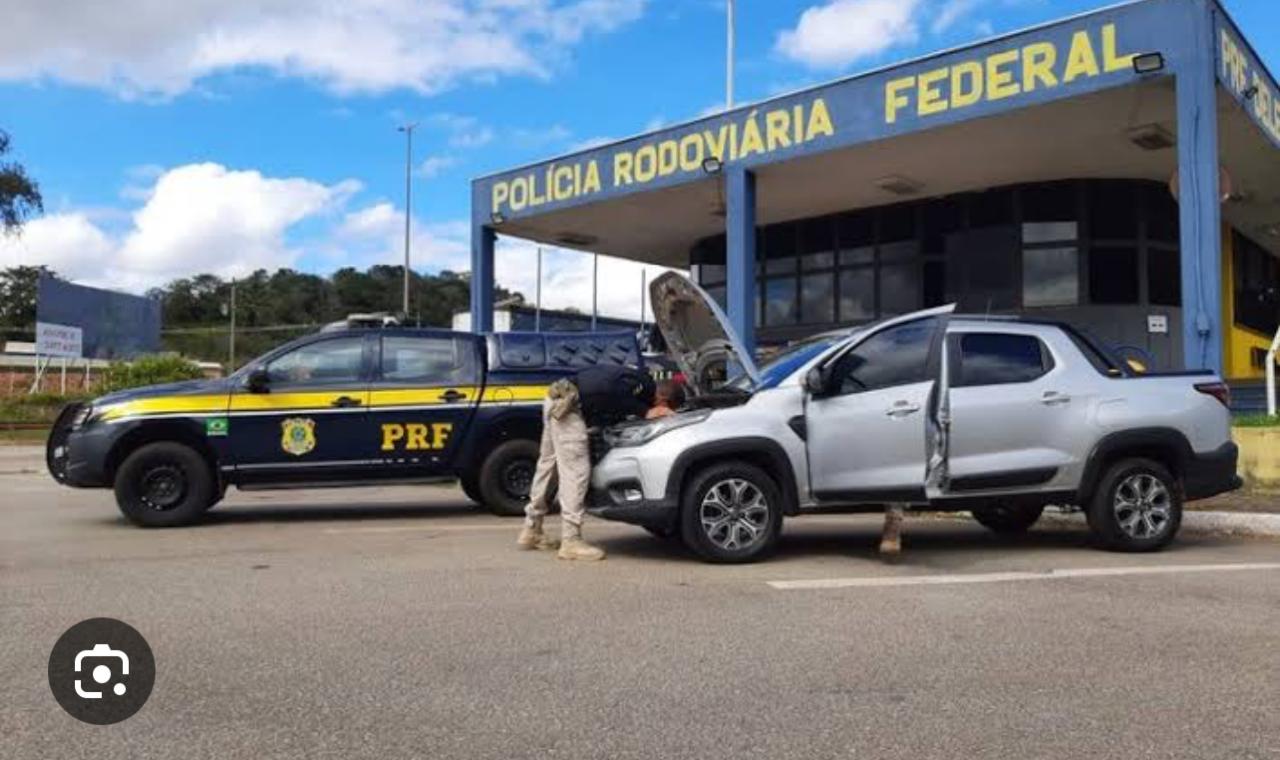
(59, 340)
(113, 325)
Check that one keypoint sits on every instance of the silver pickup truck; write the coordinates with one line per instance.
(995, 415)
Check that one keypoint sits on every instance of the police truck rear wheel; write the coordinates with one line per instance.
(164, 485)
(471, 487)
(506, 477)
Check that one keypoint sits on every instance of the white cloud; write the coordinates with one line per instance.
(950, 12)
(162, 48)
(375, 235)
(840, 32)
(194, 218)
(434, 166)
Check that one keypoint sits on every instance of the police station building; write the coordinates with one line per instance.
(1119, 170)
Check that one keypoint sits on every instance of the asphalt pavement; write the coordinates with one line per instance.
(402, 622)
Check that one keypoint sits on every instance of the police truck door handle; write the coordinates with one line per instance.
(451, 395)
(345, 402)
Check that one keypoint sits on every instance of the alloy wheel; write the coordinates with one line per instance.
(1143, 506)
(734, 514)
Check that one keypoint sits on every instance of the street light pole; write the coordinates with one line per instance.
(231, 342)
(731, 32)
(408, 204)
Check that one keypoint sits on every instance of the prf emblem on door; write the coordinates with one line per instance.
(298, 435)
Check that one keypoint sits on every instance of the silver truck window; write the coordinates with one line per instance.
(898, 355)
(1000, 358)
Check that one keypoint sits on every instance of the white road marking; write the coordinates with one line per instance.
(513, 529)
(1047, 575)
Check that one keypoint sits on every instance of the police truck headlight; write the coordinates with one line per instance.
(639, 433)
(82, 416)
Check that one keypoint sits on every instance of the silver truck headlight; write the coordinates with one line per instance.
(640, 433)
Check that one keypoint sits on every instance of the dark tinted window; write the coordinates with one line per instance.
(428, 361)
(991, 208)
(995, 359)
(1113, 210)
(328, 362)
(1164, 277)
(780, 301)
(896, 356)
(857, 295)
(817, 297)
(1113, 274)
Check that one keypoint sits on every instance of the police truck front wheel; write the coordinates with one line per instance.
(164, 485)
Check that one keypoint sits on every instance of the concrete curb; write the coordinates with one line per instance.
(1195, 523)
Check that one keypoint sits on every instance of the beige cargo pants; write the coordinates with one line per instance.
(565, 453)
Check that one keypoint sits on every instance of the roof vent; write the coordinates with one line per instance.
(899, 185)
(577, 240)
(1151, 137)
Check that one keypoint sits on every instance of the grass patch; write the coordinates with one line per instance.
(23, 437)
(1255, 421)
(39, 407)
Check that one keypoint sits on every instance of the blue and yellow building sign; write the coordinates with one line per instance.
(1246, 79)
(1057, 61)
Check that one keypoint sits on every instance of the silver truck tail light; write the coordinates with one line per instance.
(1220, 391)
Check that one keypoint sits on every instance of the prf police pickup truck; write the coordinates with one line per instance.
(380, 404)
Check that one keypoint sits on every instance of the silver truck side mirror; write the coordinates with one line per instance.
(815, 381)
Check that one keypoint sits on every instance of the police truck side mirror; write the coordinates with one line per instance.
(258, 380)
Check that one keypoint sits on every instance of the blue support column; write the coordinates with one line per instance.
(740, 229)
(1199, 196)
(482, 242)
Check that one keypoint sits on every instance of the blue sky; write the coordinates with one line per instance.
(223, 135)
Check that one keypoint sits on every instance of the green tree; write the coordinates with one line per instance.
(18, 296)
(19, 194)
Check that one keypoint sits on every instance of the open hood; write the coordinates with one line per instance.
(699, 338)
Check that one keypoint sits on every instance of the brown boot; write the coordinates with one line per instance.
(532, 537)
(573, 547)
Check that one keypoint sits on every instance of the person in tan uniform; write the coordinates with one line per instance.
(603, 394)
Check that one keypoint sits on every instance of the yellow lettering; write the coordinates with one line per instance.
(962, 94)
(716, 142)
(1111, 60)
(797, 123)
(930, 99)
(894, 99)
(1080, 61)
(442, 431)
(668, 157)
(752, 140)
(1000, 81)
(390, 434)
(691, 152)
(534, 198)
(500, 194)
(1038, 60)
(646, 163)
(561, 190)
(519, 193)
(819, 121)
(417, 438)
(592, 183)
(622, 162)
(776, 126)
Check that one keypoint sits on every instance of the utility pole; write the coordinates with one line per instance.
(728, 81)
(595, 288)
(231, 340)
(537, 297)
(408, 203)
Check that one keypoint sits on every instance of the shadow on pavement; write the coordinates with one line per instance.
(302, 512)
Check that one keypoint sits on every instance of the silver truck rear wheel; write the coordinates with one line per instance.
(1137, 507)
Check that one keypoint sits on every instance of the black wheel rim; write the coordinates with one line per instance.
(163, 487)
(517, 478)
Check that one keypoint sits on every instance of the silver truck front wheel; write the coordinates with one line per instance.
(734, 515)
